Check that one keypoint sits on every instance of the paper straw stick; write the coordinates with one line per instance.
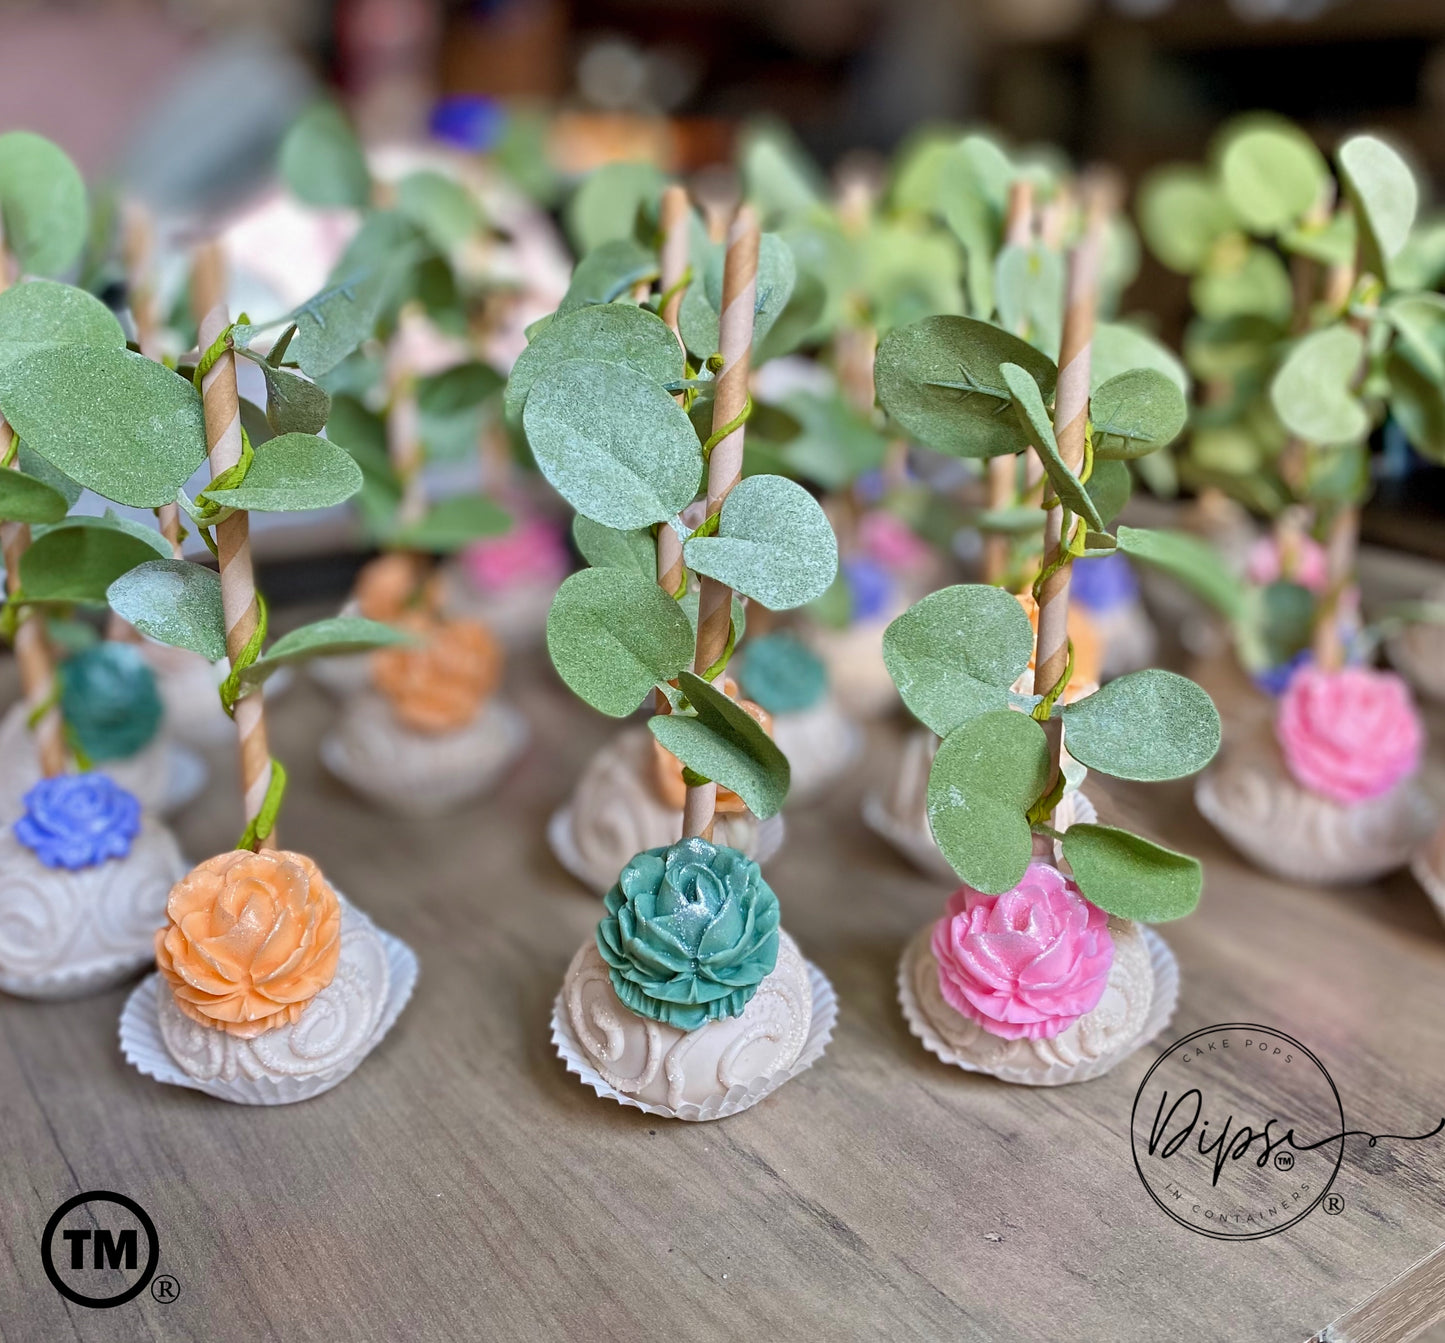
(674, 219)
(1071, 414)
(725, 466)
(32, 648)
(137, 251)
(403, 439)
(233, 536)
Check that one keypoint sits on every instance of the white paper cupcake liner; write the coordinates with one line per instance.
(720, 1106)
(563, 844)
(1161, 1011)
(919, 847)
(144, 1047)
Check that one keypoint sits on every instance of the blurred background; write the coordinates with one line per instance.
(183, 103)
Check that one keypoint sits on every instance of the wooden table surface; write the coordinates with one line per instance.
(463, 1185)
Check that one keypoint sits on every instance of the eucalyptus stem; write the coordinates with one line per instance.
(1071, 420)
(735, 337)
(221, 404)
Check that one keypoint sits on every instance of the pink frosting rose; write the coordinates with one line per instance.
(530, 552)
(885, 537)
(1026, 964)
(1349, 735)
(1308, 568)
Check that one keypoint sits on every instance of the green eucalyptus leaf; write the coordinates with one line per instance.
(1130, 877)
(1386, 194)
(1419, 320)
(45, 313)
(610, 333)
(1034, 417)
(973, 192)
(444, 210)
(293, 404)
(1183, 213)
(776, 277)
(613, 443)
(1417, 405)
(1136, 413)
(77, 560)
(608, 273)
(606, 206)
(1331, 243)
(1120, 348)
(35, 465)
(1147, 725)
(985, 777)
(335, 636)
(836, 444)
(1193, 563)
(955, 654)
(26, 499)
(450, 524)
(126, 427)
(174, 601)
(1271, 173)
(1109, 486)
(940, 379)
(1311, 392)
(724, 742)
(607, 548)
(774, 544)
(778, 177)
(1018, 521)
(43, 207)
(322, 162)
(1029, 292)
(613, 635)
(1250, 283)
(294, 473)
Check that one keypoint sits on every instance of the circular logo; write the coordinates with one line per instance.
(1237, 1131)
(92, 1241)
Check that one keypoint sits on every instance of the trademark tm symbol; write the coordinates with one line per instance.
(165, 1289)
(1284, 1161)
(1333, 1205)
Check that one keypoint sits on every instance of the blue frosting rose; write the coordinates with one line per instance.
(691, 931)
(1103, 583)
(108, 699)
(78, 820)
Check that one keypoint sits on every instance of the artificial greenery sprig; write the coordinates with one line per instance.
(597, 392)
(971, 389)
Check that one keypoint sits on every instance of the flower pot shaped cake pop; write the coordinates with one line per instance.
(84, 866)
(1324, 793)
(225, 1015)
(629, 797)
(1041, 969)
(690, 1001)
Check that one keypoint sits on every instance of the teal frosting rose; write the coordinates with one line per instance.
(108, 699)
(782, 674)
(691, 931)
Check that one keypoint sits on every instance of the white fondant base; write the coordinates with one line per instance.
(338, 1028)
(1423, 868)
(1252, 800)
(1418, 652)
(821, 744)
(857, 677)
(709, 1073)
(66, 934)
(516, 615)
(421, 773)
(614, 813)
(1138, 1003)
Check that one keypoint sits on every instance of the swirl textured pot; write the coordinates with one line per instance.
(83, 880)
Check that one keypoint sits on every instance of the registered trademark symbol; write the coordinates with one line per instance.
(165, 1289)
(1284, 1161)
(1334, 1205)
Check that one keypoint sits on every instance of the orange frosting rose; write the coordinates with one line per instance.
(1088, 647)
(252, 938)
(667, 768)
(439, 684)
(390, 586)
